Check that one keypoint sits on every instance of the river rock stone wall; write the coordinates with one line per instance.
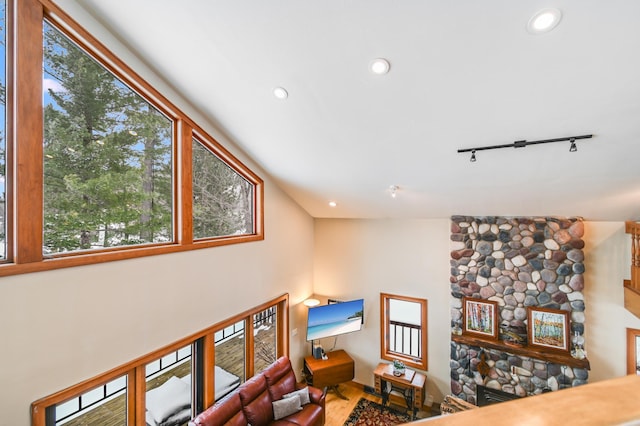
(519, 263)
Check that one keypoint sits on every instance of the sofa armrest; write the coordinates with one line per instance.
(316, 395)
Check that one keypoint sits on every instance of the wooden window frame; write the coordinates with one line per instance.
(385, 351)
(24, 165)
(216, 149)
(135, 370)
(632, 356)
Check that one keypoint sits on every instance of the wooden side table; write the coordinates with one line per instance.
(411, 385)
(337, 368)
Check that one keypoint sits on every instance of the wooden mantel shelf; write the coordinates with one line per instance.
(528, 351)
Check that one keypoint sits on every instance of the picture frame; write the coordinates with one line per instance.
(633, 351)
(549, 329)
(480, 318)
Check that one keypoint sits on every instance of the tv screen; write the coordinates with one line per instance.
(335, 319)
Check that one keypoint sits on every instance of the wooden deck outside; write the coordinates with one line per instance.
(230, 356)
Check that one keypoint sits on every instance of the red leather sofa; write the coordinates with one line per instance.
(252, 402)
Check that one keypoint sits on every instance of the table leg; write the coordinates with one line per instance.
(337, 391)
(385, 392)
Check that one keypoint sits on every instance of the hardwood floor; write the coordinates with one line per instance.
(338, 410)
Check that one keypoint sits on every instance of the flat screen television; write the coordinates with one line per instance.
(335, 319)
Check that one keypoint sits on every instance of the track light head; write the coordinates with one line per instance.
(573, 147)
(473, 156)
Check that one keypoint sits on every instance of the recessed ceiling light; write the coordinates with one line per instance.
(332, 204)
(280, 93)
(379, 66)
(544, 21)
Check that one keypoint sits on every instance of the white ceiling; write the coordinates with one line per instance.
(464, 74)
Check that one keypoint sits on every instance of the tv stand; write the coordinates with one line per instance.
(337, 368)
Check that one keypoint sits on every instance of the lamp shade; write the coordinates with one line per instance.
(311, 302)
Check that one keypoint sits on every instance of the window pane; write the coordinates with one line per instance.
(405, 330)
(638, 355)
(264, 330)
(222, 199)
(105, 404)
(169, 384)
(107, 156)
(404, 327)
(230, 359)
(3, 85)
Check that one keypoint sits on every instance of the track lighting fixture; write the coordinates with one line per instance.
(524, 143)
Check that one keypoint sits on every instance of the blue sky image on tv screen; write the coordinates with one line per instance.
(334, 319)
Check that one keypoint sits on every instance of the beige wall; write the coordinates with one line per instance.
(361, 258)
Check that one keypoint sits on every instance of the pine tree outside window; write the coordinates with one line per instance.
(96, 165)
(222, 198)
(107, 156)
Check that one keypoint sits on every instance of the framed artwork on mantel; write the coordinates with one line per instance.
(633, 351)
(480, 318)
(549, 328)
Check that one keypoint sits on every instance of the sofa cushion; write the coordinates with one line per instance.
(280, 378)
(286, 406)
(303, 394)
(227, 411)
(310, 415)
(256, 402)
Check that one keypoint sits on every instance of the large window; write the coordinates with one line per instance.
(98, 165)
(104, 404)
(222, 198)
(168, 383)
(171, 385)
(230, 354)
(265, 337)
(107, 156)
(403, 329)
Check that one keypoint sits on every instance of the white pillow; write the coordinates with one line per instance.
(286, 406)
(302, 393)
(168, 398)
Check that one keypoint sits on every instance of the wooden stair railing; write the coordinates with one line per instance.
(632, 287)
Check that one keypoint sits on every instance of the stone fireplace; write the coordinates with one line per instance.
(519, 263)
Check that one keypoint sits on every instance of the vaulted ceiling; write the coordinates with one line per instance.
(463, 74)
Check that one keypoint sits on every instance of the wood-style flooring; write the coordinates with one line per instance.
(338, 410)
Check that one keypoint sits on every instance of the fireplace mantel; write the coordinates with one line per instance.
(528, 351)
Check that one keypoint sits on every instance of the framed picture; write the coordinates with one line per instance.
(549, 328)
(480, 318)
(633, 351)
